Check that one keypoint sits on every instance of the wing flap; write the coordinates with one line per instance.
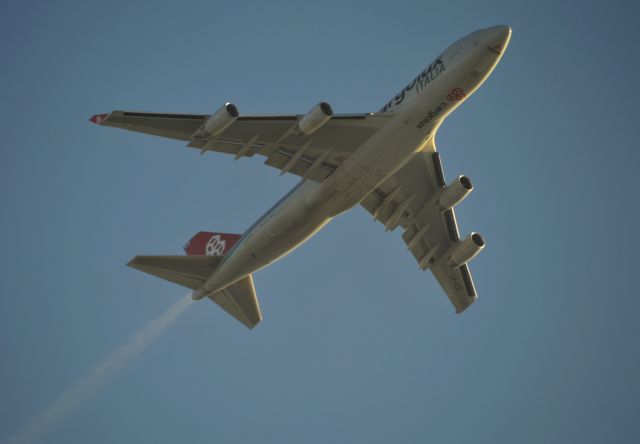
(302, 166)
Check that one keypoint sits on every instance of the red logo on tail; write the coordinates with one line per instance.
(98, 118)
(211, 244)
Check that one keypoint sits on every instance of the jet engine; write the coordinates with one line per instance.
(453, 194)
(221, 119)
(315, 118)
(465, 250)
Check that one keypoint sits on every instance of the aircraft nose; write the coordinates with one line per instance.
(498, 37)
(502, 32)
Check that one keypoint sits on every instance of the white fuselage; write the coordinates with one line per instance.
(416, 113)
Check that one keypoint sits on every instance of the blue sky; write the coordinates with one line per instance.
(357, 345)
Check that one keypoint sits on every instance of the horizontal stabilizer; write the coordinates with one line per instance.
(240, 301)
(188, 271)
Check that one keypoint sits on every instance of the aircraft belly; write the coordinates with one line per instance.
(283, 229)
(374, 162)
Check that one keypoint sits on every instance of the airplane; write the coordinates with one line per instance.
(386, 161)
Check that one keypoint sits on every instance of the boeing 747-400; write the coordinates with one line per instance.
(385, 161)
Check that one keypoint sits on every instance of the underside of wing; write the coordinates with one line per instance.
(417, 199)
(174, 126)
(275, 137)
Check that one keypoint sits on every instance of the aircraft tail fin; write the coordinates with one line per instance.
(211, 244)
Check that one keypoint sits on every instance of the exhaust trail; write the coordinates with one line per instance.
(83, 390)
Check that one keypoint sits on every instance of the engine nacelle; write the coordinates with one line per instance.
(463, 251)
(453, 194)
(221, 119)
(315, 118)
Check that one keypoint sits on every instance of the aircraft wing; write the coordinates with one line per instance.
(408, 200)
(314, 156)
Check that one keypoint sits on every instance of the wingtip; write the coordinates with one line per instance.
(252, 325)
(133, 262)
(98, 118)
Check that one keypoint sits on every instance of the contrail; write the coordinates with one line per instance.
(79, 393)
